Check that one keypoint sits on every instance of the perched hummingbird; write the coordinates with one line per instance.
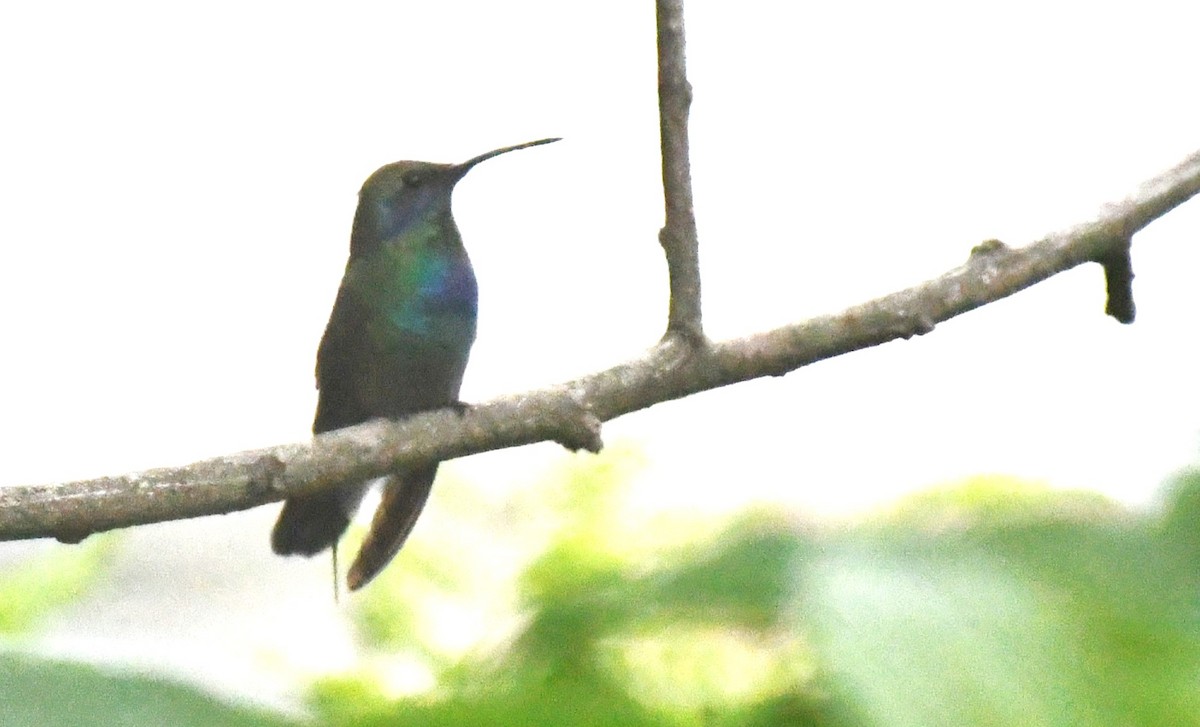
(396, 343)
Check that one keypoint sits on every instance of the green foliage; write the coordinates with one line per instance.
(32, 589)
(991, 602)
(1061, 611)
(49, 693)
(622, 624)
(53, 693)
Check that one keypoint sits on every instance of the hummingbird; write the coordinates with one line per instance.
(397, 343)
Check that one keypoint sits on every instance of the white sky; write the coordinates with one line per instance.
(177, 187)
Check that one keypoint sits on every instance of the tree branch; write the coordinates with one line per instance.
(572, 412)
(678, 235)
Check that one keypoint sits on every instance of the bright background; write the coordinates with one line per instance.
(177, 188)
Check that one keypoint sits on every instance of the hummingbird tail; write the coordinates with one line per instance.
(404, 497)
(308, 525)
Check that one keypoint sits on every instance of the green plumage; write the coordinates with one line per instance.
(397, 343)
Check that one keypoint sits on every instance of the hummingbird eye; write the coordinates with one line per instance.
(413, 179)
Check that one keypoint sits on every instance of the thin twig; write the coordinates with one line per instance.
(678, 235)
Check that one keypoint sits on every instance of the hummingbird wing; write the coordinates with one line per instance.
(395, 344)
(404, 497)
(309, 524)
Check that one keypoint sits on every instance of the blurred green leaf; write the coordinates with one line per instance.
(32, 588)
(745, 577)
(585, 496)
(1181, 519)
(992, 602)
(50, 693)
(606, 638)
(1061, 612)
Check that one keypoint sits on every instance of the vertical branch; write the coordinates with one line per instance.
(678, 235)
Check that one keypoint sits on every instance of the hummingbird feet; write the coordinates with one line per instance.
(460, 407)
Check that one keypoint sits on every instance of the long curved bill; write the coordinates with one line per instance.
(466, 166)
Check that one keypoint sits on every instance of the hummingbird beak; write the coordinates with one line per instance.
(470, 163)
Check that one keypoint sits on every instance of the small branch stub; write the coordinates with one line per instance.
(1118, 280)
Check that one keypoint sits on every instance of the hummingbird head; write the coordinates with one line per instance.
(401, 194)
